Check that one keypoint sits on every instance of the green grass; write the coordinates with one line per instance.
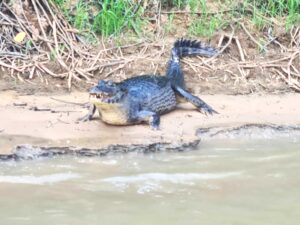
(81, 20)
(114, 15)
(170, 26)
(173, 3)
(275, 8)
(60, 3)
(286, 9)
(205, 26)
(111, 17)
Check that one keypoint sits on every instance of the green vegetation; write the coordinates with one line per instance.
(170, 26)
(205, 26)
(289, 10)
(277, 7)
(174, 3)
(114, 15)
(60, 3)
(111, 17)
(105, 17)
(81, 20)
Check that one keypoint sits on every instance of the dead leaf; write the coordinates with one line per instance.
(20, 37)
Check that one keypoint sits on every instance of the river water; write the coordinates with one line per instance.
(226, 181)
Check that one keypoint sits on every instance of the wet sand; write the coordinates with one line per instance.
(20, 124)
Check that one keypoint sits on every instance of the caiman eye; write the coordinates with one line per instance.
(101, 83)
(110, 83)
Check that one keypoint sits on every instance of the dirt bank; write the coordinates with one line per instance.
(21, 124)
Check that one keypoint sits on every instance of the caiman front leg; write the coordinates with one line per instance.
(199, 103)
(89, 115)
(148, 116)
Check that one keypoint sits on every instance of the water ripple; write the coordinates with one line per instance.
(39, 180)
(176, 178)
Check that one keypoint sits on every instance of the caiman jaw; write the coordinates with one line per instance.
(101, 97)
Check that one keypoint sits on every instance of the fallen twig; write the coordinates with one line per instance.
(35, 108)
(251, 37)
(63, 111)
(239, 48)
(291, 82)
(20, 104)
(198, 13)
(223, 48)
(68, 102)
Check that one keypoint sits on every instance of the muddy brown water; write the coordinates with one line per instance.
(230, 179)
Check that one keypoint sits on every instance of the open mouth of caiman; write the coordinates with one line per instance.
(104, 97)
(101, 95)
(106, 92)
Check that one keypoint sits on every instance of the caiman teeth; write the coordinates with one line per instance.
(95, 95)
(101, 95)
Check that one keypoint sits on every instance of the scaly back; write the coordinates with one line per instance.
(182, 48)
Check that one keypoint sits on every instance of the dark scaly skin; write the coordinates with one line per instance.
(144, 98)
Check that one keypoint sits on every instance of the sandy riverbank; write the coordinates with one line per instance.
(22, 125)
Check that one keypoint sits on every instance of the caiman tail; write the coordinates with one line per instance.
(182, 48)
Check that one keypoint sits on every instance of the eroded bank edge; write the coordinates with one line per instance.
(29, 152)
(250, 130)
(247, 131)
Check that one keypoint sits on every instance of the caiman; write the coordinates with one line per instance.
(144, 98)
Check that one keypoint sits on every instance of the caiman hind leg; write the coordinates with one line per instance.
(89, 115)
(152, 118)
(199, 103)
